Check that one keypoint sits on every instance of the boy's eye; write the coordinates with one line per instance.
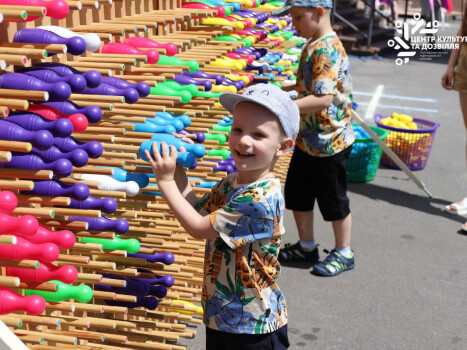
(237, 130)
(259, 135)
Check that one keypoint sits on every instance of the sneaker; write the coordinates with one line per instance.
(334, 264)
(295, 253)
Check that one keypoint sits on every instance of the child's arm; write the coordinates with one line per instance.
(448, 77)
(184, 185)
(164, 167)
(313, 103)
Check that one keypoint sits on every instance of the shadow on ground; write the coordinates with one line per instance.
(403, 199)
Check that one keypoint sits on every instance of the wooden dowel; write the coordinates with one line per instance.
(8, 240)
(4, 110)
(17, 60)
(48, 287)
(78, 212)
(48, 321)
(9, 281)
(93, 170)
(16, 185)
(90, 97)
(11, 321)
(14, 103)
(37, 212)
(27, 264)
(29, 94)
(79, 334)
(45, 200)
(30, 53)
(50, 48)
(65, 259)
(29, 338)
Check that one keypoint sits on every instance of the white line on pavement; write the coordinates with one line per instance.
(370, 111)
(398, 107)
(396, 96)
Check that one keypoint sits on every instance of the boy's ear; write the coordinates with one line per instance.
(320, 12)
(285, 146)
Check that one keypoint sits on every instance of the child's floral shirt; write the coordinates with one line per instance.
(240, 294)
(325, 70)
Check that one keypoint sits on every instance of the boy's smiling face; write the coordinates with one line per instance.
(306, 20)
(256, 141)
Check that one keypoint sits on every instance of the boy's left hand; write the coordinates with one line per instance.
(163, 164)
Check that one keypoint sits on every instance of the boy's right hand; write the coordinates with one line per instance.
(447, 79)
(164, 163)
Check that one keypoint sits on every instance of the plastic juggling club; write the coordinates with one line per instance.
(92, 40)
(57, 188)
(57, 9)
(77, 157)
(34, 122)
(25, 225)
(77, 82)
(63, 239)
(42, 139)
(11, 301)
(198, 150)
(81, 293)
(122, 175)
(93, 113)
(108, 183)
(140, 42)
(45, 272)
(79, 120)
(107, 205)
(130, 245)
(119, 226)
(75, 45)
(59, 91)
(185, 159)
(93, 148)
(142, 88)
(24, 249)
(93, 78)
(117, 48)
(61, 167)
(8, 202)
(130, 94)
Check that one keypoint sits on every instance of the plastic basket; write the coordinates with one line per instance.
(411, 146)
(364, 158)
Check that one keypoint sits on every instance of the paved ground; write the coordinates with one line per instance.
(408, 290)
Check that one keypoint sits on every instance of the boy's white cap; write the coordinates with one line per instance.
(278, 101)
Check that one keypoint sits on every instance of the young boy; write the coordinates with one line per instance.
(317, 170)
(242, 221)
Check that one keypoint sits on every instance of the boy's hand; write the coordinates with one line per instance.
(183, 138)
(447, 79)
(164, 164)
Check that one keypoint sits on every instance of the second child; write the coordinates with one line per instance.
(318, 167)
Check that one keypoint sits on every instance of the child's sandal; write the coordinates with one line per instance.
(459, 208)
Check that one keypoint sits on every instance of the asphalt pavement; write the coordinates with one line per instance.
(408, 289)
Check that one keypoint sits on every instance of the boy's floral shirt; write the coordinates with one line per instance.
(240, 294)
(325, 70)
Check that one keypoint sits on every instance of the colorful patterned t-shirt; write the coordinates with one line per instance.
(325, 70)
(240, 294)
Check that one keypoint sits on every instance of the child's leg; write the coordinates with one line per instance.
(342, 229)
(299, 197)
(304, 221)
(463, 102)
(334, 206)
